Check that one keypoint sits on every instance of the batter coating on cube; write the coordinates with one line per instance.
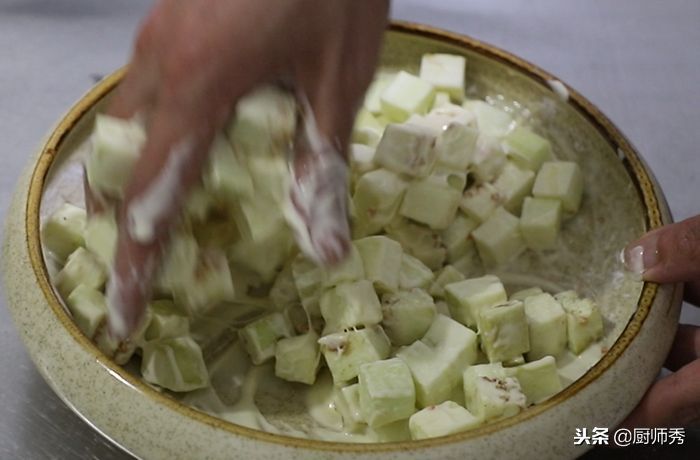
(539, 380)
(504, 332)
(440, 420)
(584, 323)
(561, 180)
(406, 95)
(546, 321)
(381, 257)
(378, 195)
(499, 240)
(82, 267)
(456, 145)
(63, 232)
(439, 358)
(345, 352)
(407, 315)
(407, 149)
(445, 72)
(414, 273)
(297, 358)
(527, 149)
(489, 394)
(540, 222)
(432, 202)
(175, 363)
(260, 336)
(350, 305)
(467, 298)
(387, 393)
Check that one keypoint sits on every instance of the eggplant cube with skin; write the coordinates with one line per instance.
(499, 239)
(504, 332)
(407, 149)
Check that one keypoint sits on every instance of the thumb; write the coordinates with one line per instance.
(669, 254)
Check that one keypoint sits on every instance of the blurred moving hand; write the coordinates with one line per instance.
(191, 62)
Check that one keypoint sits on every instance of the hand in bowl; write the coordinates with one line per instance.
(191, 62)
(670, 255)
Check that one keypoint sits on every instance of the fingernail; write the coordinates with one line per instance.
(641, 255)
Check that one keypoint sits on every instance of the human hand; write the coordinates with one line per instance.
(670, 255)
(191, 62)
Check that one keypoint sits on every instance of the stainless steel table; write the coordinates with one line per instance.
(639, 61)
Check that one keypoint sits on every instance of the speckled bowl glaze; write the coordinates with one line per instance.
(622, 200)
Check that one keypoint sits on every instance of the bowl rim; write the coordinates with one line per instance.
(640, 176)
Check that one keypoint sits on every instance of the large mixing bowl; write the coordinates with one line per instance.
(621, 201)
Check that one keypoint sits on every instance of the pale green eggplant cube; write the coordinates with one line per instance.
(490, 395)
(367, 129)
(351, 396)
(467, 298)
(264, 122)
(439, 358)
(540, 222)
(512, 362)
(283, 292)
(361, 160)
(456, 145)
(561, 180)
(513, 185)
(308, 278)
(499, 239)
(101, 237)
(456, 237)
(81, 267)
(489, 160)
(175, 364)
(525, 293)
(64, 231)
(546, 320)
(527, 149)
(480, 202)
(209, 284)
(407, 149)
(227, 176)
(539, 380)
(407, 315)
(491, 121)
(260, 336)
(345, 352)
(167, 321)
(405, 95)
(381, 257)
(421, 242)
(414, 273)
(584, 323)
(349, 270)
(350, 305)
(503, 331)
(297, 358)
(445, 72)
(387, 392)
(373, 96)
(431, 202)
(447, 275)
(376, 200)
(441, 420)
(469, 264)
(116, 145)
(442, 98)
(88, 308)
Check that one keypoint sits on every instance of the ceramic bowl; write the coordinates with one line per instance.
(621, 201)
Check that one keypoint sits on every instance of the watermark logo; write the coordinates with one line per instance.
(623, 437)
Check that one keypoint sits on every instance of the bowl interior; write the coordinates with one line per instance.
(612, 214)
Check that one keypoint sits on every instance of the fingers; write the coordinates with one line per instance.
(668, 255)
(685, 348)
(170, 164)
(672, 401)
